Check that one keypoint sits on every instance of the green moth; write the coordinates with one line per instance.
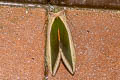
(59, 43)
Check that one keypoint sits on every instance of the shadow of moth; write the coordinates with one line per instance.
(59, 43)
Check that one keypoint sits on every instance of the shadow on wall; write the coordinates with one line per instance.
(114, 4)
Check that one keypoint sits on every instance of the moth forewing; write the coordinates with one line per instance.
(48, 48)
(53, 69)
(71, 69)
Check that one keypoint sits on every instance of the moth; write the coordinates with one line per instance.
(59, 43)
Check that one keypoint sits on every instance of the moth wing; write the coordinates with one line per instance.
(67, 47)
(53, 55)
